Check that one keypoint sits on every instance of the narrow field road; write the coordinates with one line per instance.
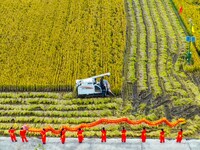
(95, 144)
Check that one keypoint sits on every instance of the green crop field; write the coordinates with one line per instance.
(45, 45)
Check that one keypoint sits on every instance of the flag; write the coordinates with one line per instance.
(192, 29)
(180, 10)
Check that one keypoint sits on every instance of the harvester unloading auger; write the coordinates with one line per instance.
(90, 86)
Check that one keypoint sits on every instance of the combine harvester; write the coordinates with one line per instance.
(89, 87)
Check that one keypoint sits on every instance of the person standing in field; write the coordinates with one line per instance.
(62, 135)
(43, 134)
(180, 136)
(23, 135)
(123, 135)
(143, 135)
(12, 134)
(102, 85)
(103, 135)
(162, 136)
(80, 135)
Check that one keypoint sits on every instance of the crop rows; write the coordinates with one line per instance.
(58, 107)
(68, 114)
(151, 48)
(33, 95)
(191, 11)
(46, 46)
(132, 49)
(54, 101)
(15, 112)
(39, 110)
(168, 88)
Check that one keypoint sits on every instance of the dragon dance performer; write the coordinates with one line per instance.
(23, 135)
(123, 135)
(180, 136)
(80, 135)
(162, 136)
(43, 134)
(103, 135)
(62, 135)
(12, 134)
(143, 136)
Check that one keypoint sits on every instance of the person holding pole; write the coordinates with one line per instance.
(162, 136)
(62, 136)
(23, 135)
(12, 134)
(43, 134)
(103, 135)
(143, 136)
(80, 135)
(180, 136)
(123, 135)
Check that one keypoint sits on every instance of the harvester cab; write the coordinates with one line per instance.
(90, 87)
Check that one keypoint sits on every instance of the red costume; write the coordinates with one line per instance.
(162, 136)
(12, 135)
(180, 10)
(123, 135)
(143, 136)
(180, 136)
(43, 134)
(23, 135)
(103, 135)
(80, 135)
(63, 137)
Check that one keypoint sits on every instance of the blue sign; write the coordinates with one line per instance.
(188, 39)
(193, 39)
